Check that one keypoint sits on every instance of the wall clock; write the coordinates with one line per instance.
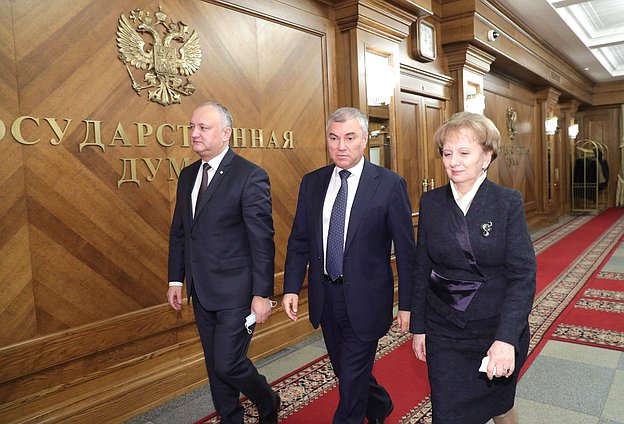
(425, 41)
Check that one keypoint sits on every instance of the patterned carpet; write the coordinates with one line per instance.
(596, 317)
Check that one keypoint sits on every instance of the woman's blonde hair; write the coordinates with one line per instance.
(483, 128)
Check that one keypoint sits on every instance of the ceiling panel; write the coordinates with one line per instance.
(589, 33)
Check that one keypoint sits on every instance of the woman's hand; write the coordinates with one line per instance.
(418, 344)
(503, 358)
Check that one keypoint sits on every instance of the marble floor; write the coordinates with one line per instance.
(566, 384)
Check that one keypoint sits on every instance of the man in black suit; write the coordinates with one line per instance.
(348, 216)
(221, 241)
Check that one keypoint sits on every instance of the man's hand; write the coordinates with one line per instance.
(418, 345)
(403, 319)
(174, 296)
(290, 303)
(261, 306)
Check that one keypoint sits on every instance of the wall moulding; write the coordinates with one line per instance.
(466, 55)
(143, 357)
(388, 19)
(420, 81)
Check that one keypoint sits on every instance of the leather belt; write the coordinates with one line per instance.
(338, 280)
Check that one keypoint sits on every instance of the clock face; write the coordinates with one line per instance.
(426, 43)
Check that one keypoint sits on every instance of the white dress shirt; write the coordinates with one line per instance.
(332, 191)
(465, 201)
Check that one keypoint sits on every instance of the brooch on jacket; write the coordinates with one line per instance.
(486, 228)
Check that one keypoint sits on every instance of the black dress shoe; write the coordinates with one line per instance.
(272, 417)
(382, 420)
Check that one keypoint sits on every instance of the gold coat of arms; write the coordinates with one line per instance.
(169, 59)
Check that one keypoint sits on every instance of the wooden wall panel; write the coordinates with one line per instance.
(17, 305)
(102, 248)
(83, 259)
(515, 165)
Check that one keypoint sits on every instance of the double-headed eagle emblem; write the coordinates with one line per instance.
(168, 67)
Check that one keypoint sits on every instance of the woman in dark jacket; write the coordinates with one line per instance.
(474, 281)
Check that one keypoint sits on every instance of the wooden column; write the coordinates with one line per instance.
(467, 64)
(546, 169)
(568, 112)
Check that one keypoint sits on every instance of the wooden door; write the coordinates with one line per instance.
(434, 169)
(419, 159)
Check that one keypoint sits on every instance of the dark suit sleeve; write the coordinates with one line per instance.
(402, 231)
(176, 267)
(422, 271)
(256, 209)
(298, 251)
(520, 269)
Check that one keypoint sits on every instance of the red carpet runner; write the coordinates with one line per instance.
(567, 258)
(596, 316)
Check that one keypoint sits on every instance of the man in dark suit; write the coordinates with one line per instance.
(348, 216)
(221, 241)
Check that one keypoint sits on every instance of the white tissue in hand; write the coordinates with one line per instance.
(484, 363)
(250, 320)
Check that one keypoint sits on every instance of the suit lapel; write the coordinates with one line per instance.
(188, 189)
(369, 181)
(480, 200)
(320, 191)
(215, 181)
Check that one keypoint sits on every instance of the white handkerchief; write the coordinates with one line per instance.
(484, 363)
(249, 321)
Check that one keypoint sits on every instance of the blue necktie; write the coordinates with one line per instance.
(335, 234)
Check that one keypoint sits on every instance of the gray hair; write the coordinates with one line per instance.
(485, 131)
(345, 114)
(226, 116)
